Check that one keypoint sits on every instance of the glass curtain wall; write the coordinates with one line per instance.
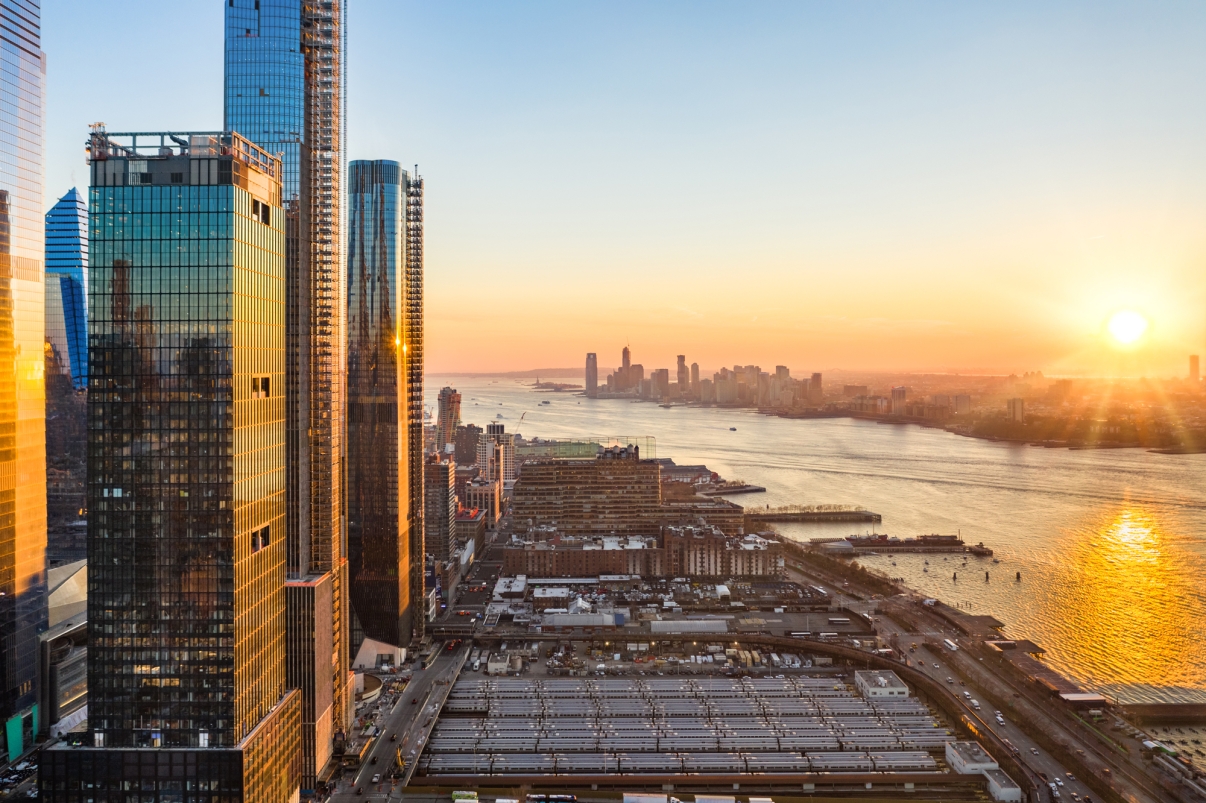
(378, 487)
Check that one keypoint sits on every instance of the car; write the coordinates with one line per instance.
(950, 680)
(374, 761)
(393, 737)
(1034, 750)
(1059, 781)
(414, 701)
(1071, 777)
(377, 778)
(359, 791)
(937, 666)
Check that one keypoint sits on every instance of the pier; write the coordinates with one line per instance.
(884, 544)
(810, 513)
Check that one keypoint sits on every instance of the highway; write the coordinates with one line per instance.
(934, 663)
(411, 722)
(937, 664)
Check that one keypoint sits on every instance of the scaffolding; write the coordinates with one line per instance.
(414, 395)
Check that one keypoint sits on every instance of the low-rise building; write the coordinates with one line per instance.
(693, 550)
(1002, 787)
(969, 758)
(880, 683)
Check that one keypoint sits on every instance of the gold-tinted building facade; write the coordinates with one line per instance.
(186, 471)
(22, 390)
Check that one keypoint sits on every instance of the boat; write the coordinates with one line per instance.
(925, 568)
(500, 415)
(996, 560)
(927, 563)
(732, 429)
(546, 401)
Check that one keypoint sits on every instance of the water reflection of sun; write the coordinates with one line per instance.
(1125, 608)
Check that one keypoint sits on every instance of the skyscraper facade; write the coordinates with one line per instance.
(22, 392)
(284, 90)
(448, 416)
(439, 476)
(503, 452)
(186, 479)
(683, 374)
(67, 259)
(58, 356)
(413, 346)
(592, 375)
(378, 482)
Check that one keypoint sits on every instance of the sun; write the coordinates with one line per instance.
(1127, 326)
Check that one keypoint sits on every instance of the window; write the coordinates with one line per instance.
(144, 178)
(260, 212)
(260, 538)
(177, 178)
(260, 387)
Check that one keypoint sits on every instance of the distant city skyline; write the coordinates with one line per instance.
(937, 188)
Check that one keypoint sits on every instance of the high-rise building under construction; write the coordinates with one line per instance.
(284, 90)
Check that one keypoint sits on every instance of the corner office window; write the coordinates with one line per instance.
(260, 538)
(260, 386)
(261, 212)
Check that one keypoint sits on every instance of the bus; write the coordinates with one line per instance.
(950, 645)
(430, 658)
(839, 620)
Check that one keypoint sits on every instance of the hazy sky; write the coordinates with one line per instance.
(822, 185)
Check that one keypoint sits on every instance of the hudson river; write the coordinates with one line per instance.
(1111, 544)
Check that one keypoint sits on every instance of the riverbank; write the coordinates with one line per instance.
(1111, 544)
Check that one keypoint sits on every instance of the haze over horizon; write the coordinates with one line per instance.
(932, 187)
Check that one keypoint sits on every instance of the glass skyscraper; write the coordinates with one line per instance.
(186, 479)
(378, 485)
(57, 355)
(67, 260)
(284, 90)
(22, 390)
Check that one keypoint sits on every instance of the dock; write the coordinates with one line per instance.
(729, 488)
(885, 545)
(810, 513)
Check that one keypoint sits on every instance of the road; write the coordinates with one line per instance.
(935, 663)
(412, 722)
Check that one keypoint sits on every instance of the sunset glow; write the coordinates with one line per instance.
(1127, 327)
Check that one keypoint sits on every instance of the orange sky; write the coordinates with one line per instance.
(948, 186)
